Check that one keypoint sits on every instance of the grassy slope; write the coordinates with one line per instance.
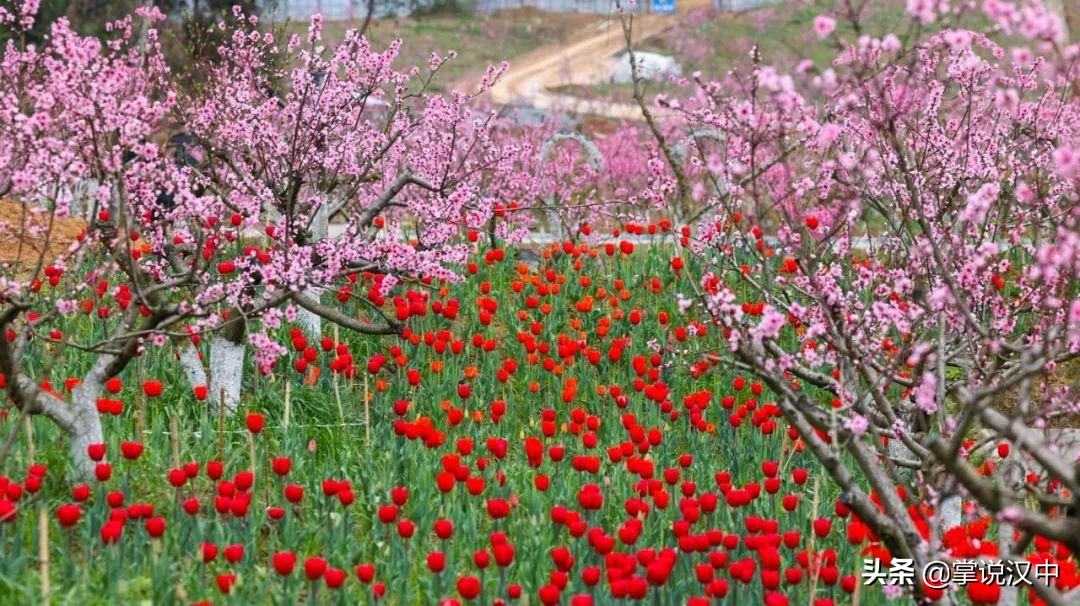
(480, 40)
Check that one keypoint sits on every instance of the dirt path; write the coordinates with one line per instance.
(585, 61)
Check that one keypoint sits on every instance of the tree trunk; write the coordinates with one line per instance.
(227, 350)
(78, 419)
(192, 365)
(311, 323)
(83, 430)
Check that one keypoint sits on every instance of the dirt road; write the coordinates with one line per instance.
(586, 61)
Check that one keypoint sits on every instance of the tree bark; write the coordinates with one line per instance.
(227, 350)
(310, 322)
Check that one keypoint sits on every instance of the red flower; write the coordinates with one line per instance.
(365, 572)
(155, 527)
(153, 388)
(96, 452)
(436, 561)
(346, 497)
(68, 515)
(103, 471)
(334, 577)
(226, 581)
(214, 470)
(388, 513)
(111, 532)
(282, 465)
(498, 508)
(7, 510)
(234, 553)
(131, 450)
(294, 493)
(209, 552)
(80, 493)
(284, 562)
(822, 526)
(444, 529)
(375, 364)
(177, 478)
(983, 592)
(200, 392)
(314, 567)
(468, 587)
(255, 422)
(114, 385)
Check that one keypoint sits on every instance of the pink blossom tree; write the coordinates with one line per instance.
(896, 254)
(209, 208)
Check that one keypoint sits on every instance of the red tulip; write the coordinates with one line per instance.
(225, 582)
(399, 495)
(284, 562)
(111, 532)
(800, 476)
(214, 470)
(334, 577)
(294, 493)
(234, 553)
(114, 385)
(282, 465)
(346, 497)
(365, 572)
(436, 561)
(153, 388)
(96, 452)
(68, 515)
(498, 508)
(444, 529)
(388, 513)
(103, 471)
(80, 492)
(314, 567)
(8, 510)
(209, 552)
(200, 392)
(177, 478)
(255, 422)
(468, 587)
(155, 527)
(131, 450)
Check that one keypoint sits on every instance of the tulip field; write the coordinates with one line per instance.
(290, 316)
(528, 439)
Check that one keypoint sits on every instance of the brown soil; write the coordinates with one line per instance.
(19, 250)
(1067, 375)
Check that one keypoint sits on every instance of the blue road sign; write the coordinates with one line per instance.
(663, 7)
